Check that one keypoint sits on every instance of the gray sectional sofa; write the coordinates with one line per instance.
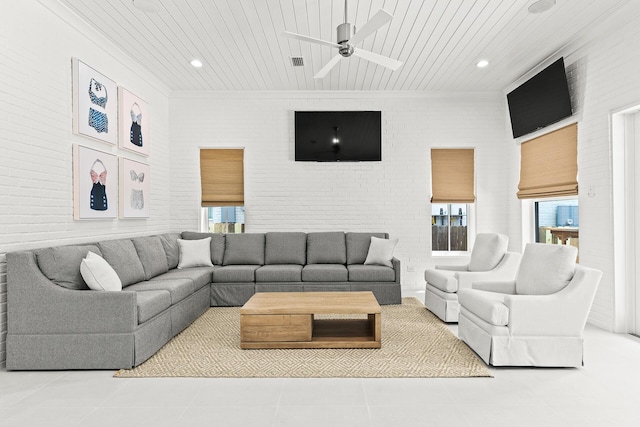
(56, 322)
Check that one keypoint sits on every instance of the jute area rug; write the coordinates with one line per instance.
(415, 343)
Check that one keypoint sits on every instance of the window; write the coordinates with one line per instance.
(222, 184)
(224, 219)
(452, 190)
(449, 227)
(557, 222)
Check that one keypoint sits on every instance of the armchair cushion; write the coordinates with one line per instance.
(488, 306)
(545, 269)
(488, 250)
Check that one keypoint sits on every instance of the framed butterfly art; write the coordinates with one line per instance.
(95, 184)
(135, 189)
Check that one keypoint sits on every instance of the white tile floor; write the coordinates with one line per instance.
(605, 392)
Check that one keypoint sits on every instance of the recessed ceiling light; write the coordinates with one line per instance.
(149, 6)
(541, 6)
(196, 63)
(482, 63)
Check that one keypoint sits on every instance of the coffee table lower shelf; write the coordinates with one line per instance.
(303, 331)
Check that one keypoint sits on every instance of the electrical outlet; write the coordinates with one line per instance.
(411, 269)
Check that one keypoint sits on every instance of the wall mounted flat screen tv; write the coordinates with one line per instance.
(540, 101)
(338, 136)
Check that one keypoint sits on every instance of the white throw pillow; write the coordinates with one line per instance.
(98, 274)
(195, 253)
(381, 251)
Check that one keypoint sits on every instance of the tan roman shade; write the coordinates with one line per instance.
(452, 176)
(549, 165)
(222, 177)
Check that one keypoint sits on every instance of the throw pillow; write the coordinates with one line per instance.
(381, 251)
(195, 253)
(98, 274)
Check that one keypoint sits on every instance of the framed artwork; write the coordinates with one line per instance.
(95, 184)
(135, 189)
(95, 105)
(133, 119)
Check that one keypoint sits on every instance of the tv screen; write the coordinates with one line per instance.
(338, 136)
(540, 101)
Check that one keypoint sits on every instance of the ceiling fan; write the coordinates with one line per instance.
(348, 38)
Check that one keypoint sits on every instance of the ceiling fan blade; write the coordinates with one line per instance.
(378, 59)
(325, 70)
(309, 39)
(372, 25)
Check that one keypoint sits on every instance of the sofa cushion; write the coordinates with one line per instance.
(178, 289)
(98, 274)
(235, 274)
(381, 252)
(247, 248)
(358, 246)
(201, 276)
(445, 280)
(171, 249)
(195, 253)
(285, 248)
(488, 306)
(326, 248)
(325, 273)
(151, 303)
(152, 255)
(371, 273)
(279, 273)
(61, 264)
(217, 243)
(545, 269)
(122, 256)
(488, 250)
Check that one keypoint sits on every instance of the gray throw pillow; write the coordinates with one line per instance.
(171, 249)
(245, 248)
(123, 257)
(326, 248)
(285, 248)
(152, 255)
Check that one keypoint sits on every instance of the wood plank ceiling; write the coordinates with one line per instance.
(439, 41)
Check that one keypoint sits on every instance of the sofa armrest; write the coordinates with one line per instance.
(564, 313)
(35, 305)
(397, 268)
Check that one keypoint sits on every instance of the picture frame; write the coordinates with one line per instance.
(133, 119)
(95, 103)
(95, 184)
(135, 189)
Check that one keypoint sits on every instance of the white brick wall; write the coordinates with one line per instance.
(392, 195)
(36, 187)
(603, 77)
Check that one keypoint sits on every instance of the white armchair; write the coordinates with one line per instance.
(538, 319)
(489, 261)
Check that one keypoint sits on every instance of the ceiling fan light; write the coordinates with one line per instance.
(196, 63)
(482, 63)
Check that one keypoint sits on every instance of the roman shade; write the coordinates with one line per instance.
(549, 165)
(222, 177)
(452, 176)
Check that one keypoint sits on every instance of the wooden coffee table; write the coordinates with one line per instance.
(287, 320)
